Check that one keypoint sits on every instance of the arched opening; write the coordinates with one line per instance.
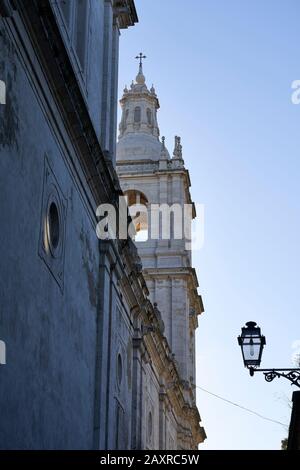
(138, 210)
(137, 114)
(149, 116)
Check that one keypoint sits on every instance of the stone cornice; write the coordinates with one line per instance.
(137, 169)
(140, 96)
(125, 13)
(180, 272)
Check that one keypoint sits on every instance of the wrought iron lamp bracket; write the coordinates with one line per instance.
(293, 375)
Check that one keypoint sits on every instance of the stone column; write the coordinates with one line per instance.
(101, 379)
(178, 198)
(163, 298)
(163, 199)
(180, 325)
(137, 391)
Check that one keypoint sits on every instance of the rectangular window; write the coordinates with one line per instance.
(81, 27)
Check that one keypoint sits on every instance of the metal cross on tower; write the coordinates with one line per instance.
(141, 57)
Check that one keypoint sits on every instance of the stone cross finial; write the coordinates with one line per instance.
(140, 79)
(141, 57)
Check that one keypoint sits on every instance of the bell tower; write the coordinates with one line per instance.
(148, 173)
(139, 107)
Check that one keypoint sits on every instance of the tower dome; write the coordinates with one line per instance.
(139, 131)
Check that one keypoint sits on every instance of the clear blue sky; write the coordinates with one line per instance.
(223, 73)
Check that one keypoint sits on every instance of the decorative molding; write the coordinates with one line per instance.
(125, 13)
(53, 257)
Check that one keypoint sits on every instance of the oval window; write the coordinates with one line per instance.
(150, 426)
(119, 369)
(53, 225)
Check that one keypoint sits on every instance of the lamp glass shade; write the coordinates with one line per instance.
(252, 344)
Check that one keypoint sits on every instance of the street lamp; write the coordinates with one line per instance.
(252, 343)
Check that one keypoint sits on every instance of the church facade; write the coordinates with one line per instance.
(99, 350)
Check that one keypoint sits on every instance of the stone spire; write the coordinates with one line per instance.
(164, 154)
